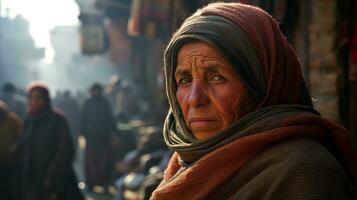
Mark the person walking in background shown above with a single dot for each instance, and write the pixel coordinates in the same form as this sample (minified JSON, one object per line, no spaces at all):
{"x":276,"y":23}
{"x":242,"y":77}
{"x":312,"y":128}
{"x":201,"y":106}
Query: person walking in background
{"x":112,"y":90}
{"x":71,"y":111}
{"x":97,"y":126}
{"x":47,"y":151}
{"x":10,"y":132}
{"x":14,"y":101}
{"x":127,"y":104}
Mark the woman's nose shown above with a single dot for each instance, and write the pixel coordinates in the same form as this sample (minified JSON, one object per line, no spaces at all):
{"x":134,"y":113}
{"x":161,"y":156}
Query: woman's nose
{"x":198,"y":94}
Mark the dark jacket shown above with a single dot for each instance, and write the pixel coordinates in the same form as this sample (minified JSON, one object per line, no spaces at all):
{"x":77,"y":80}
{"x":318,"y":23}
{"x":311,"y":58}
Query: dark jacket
{"x":97,"y":121}
{"x":47,"y":152}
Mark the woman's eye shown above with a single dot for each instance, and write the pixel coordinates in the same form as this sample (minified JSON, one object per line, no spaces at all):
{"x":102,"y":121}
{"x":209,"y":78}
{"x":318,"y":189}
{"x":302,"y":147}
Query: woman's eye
{"x":218,"y":78}
{"x":184,"y":80}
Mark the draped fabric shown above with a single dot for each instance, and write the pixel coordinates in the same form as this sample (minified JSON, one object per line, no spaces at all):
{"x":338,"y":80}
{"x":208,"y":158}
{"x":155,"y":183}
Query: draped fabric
{"x":229,"y":39}
{"x":267,"y":118}
{"x":203,"y":177}
{"x":280,"y":65}
{"x":266,"y":64}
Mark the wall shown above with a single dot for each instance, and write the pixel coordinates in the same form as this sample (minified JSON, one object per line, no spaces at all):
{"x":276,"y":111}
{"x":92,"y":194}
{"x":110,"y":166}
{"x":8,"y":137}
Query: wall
{"x":324,"y":71}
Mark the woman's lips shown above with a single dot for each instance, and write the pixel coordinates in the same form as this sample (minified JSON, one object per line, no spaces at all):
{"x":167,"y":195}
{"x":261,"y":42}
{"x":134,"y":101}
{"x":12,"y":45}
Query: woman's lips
{"x":200,"y":122}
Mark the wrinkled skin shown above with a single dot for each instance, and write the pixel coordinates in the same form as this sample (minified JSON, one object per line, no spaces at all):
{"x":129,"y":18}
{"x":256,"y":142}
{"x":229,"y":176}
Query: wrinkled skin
{"x":209,"y":92}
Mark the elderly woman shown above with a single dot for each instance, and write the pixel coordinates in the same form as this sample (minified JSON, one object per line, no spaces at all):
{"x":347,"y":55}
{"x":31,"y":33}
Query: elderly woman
{"x":241,"y":122}
{"x":48,"y":151}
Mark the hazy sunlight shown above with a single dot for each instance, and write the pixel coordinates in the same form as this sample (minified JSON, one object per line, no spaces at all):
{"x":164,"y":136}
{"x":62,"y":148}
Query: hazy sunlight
{"x":43,"y":15}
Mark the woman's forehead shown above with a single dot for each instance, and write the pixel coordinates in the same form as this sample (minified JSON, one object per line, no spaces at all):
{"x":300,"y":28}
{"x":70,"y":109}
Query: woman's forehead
{"x":197,"y":49}
{"x":200,"y":53}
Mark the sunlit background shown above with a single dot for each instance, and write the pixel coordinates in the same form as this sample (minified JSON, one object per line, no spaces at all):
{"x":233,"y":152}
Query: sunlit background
{"x":43,"y":16}
{"x":54,"y":29}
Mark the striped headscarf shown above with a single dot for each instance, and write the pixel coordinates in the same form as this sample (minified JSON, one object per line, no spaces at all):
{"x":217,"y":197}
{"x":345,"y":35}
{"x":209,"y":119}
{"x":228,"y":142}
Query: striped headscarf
{"x":252,"y":42}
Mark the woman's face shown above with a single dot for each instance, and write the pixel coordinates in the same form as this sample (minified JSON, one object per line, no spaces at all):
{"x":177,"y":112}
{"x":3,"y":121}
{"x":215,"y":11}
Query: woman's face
{"x":36,"y":101}
{"x":209,"y":92}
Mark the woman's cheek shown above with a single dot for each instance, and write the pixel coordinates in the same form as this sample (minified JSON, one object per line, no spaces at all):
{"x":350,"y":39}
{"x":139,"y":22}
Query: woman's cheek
{"x":228,"y":101}
{"x":182,"y":100}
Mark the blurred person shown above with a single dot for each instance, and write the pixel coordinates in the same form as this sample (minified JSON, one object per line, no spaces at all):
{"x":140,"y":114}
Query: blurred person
{"x":112,"y":90}
{"x":10,"y":131}
{"x":14,"y":101}
{"x":121,"y":96}
{"x":97,"y":126}
{"x":241,"y":121}
{"x":58,"y":97}
{"x":80,"y":96}
{"x":127,"y":104}
{"x":47,"y":150}
{"x":71,"y":111}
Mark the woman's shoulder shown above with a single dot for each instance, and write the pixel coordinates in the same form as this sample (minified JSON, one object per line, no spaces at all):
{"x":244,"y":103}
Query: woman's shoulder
{"x":300,"y":152}
{"x":298,"y":168}
{"x":297,"y":154}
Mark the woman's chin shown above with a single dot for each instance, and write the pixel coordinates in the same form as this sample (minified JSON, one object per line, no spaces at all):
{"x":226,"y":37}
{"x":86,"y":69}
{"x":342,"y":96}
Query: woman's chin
{"x":204,"y":134}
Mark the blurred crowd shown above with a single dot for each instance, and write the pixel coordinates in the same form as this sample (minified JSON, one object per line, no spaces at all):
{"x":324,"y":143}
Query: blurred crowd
{"x":41,"y":137}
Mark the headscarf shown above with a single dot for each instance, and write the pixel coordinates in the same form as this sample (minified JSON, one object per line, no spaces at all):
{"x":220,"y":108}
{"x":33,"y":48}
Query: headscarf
{"x":36,"y":117}
{"x":252,"y":42}
{"x":265,"y":63}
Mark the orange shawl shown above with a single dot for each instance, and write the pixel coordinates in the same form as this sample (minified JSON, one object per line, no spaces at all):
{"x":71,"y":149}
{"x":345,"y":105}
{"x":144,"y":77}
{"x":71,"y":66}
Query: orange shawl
{"x":224,"y":162}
